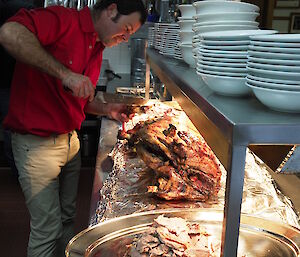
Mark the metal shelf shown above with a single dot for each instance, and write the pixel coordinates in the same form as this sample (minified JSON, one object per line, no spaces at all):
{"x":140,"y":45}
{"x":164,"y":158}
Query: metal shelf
{"x":229,"y":125}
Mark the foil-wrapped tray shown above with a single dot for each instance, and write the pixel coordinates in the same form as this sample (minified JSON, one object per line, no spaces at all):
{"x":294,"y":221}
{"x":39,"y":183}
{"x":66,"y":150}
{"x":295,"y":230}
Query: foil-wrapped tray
{"x":258,"y":237}
{"x":125,"y":190}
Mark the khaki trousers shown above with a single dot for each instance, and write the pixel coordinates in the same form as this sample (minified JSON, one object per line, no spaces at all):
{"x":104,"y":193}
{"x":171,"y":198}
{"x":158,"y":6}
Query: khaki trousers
{"x":48,"y":174}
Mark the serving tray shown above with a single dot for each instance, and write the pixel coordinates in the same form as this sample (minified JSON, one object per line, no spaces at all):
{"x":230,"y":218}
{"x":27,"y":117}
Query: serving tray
{"x":258,"y":237}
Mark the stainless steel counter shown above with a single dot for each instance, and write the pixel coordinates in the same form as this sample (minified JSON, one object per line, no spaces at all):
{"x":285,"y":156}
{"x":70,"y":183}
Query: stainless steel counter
{"x":107,"y":140}
{"x":229,"y":125}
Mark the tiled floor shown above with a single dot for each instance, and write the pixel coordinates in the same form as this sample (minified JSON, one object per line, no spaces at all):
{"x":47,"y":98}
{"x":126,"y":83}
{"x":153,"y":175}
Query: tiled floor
{"x":14,"y":217}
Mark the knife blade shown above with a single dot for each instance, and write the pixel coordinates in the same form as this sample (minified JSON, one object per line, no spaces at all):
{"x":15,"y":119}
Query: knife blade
{"x":105,"y":97}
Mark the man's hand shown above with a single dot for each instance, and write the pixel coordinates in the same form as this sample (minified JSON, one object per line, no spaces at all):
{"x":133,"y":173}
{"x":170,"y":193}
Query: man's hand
{"x":80,"y":85}
{"x":117,"y":112}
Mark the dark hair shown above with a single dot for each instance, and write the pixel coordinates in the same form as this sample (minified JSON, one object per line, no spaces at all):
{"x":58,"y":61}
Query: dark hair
{"x":124,"y":7}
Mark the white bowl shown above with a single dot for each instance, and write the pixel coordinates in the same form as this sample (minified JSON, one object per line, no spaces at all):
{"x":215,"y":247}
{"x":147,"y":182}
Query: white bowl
{"x":201,"y":52}
{"x":203,"y":7}
{"x":186,"y":25}
{"x":186,"y":37}
{"x":224,"y":42}
{"x":274,"y":44}
{"x":246,"y":23}
{"x":277,"y":81}
{"x":272,"y":74}
{"x":187,"y":10}
{"x":225,"y":48}
{"x":223,"y":52}
{"x":285,"y":50}
{"x":222,"y":73}
{"x":275,"y":67}
{"x":267,"y":55}
{"x":222,"y":69}
{"x":258,"y":83}
{"x":185,"y":19}
{"x":239,"y":16}
{"x":292,"y":38}
{"x":234,"y":34}
{"x":223,"y":60}
{"x":274,"y":61}
{"x":187,"y":54}
{"x":277,"y":99}
{"x":223,"y":28}
{"x":222,"y":64}
{"x":229,"y":86}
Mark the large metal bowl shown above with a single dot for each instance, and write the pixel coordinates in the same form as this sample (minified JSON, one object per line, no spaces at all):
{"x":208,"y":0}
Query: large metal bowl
{"x":258,"y":237}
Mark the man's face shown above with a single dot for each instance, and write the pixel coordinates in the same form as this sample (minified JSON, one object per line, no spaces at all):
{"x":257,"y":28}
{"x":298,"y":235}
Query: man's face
{"x":115,"y":31}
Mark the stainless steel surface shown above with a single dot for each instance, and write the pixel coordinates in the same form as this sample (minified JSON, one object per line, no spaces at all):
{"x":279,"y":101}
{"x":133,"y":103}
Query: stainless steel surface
{"x":229,"y":125}
{"x":108,"y":138}
{"x":259,"y":237}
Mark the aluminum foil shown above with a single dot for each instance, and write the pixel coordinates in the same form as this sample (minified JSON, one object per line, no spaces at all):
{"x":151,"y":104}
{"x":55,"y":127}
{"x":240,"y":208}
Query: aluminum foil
{"x":125,"y":190}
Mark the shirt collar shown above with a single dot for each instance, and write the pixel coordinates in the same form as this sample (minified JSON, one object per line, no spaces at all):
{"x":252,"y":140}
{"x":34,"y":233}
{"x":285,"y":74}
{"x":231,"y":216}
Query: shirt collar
{"x":86,"y":21}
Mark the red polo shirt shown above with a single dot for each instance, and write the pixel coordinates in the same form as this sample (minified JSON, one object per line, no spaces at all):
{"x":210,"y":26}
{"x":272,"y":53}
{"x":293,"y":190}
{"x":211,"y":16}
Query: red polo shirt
{"x":38,"y":104}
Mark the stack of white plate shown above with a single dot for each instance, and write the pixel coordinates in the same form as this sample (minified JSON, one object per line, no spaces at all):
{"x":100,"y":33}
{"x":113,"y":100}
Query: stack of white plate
{"x":274,"y":70}
{"x":166,"y":39}
{"x":151,"y":35}
{"x":228,"y":15}
{"x":186,"y":33}
{"x":222,"y":60}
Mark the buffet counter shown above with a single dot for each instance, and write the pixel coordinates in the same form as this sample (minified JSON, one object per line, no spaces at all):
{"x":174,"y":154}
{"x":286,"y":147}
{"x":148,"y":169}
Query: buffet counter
{"x":228,"y":124}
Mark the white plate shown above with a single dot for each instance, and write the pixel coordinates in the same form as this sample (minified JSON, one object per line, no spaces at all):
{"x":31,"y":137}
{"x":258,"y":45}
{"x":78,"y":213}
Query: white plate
{"x":228,"y":56}
{"x":225,"y":48}
{"x":273,"y":85}
{"x":277,"y":81}
{"x":274,"y":74}
{"x":274,"y":44}
{"x":221,"y":69}
{"x":278,"y":38}
{"x":187,"y":10}
{"x":225,"y":42}
{"x":203,"y":7}
{"x":286,"y":50}
{"x":234,"y":35}
{"x":185,"y":18}
{"x":225,"y":60}
{"x":267,"y":55}
{"x":223,"y":73}
{"x":186,"y":25}
{"x":223,"y":64}
{"x":239,"y":16}
{"x":225,"y":52}
{"x":274,"y":61}
{"x":167,"y":25}
{"x":279,"y":100}
{"x":222,"y":28}
{"x":275,"y":67}
{"x":227,"y":22}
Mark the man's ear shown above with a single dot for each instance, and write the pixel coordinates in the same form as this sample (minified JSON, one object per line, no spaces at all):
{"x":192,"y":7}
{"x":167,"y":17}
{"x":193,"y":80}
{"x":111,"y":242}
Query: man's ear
{"x":112,"y":11}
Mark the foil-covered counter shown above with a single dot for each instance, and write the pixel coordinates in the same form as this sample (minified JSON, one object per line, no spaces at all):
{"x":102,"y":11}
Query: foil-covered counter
{"x":124,"y":191}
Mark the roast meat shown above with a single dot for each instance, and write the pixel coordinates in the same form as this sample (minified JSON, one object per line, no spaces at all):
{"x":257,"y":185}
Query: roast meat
{"x":186,"y":167}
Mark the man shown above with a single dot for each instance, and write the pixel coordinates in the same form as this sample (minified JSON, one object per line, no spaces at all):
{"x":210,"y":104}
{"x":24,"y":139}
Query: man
{"x":8,"y":8}
{"x":59,"y":53}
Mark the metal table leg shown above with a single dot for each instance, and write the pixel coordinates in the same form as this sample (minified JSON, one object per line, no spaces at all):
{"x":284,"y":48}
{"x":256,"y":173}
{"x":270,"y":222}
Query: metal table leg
{"x":233,"y":201}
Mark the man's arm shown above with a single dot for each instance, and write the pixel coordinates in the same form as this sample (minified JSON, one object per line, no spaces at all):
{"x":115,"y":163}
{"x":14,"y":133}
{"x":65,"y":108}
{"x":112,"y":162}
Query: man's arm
{"x":24,"y":46}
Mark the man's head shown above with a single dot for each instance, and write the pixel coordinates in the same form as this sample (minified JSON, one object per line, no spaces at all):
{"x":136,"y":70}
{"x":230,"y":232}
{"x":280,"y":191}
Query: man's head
{"x":116,"y":20}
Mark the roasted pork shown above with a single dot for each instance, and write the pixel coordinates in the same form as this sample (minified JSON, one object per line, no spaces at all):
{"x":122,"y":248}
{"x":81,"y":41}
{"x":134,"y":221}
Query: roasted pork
{"x":186,"y":167}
